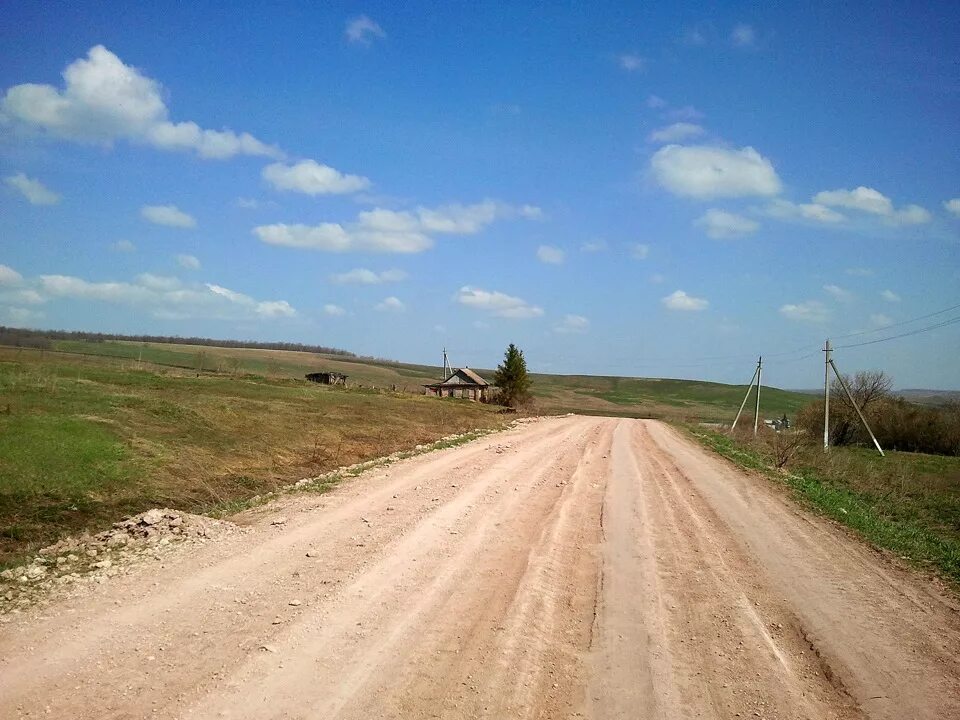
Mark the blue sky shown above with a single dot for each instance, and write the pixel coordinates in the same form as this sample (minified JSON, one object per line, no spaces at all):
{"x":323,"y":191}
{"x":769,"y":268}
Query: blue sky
{"x":656,"y":191}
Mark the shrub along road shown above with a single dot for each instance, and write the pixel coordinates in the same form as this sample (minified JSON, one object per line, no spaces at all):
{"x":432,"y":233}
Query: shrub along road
{"x":594,"y":566}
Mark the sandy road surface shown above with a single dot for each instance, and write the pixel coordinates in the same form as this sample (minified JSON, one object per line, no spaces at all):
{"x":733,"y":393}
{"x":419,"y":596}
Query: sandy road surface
{"x":574,"y":567}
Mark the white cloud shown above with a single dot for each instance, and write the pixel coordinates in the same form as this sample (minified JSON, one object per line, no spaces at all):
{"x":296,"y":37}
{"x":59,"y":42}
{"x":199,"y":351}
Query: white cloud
{"x":911,"y":215}
{"x":333,"y":310}
{"x":679,"y":300}
{"x":550,"y":255}
{"x":880,"y":320}
{"x":815,"y":212}
{"x":9,"y":276}
{"x":743,"y":36}
{"x":687,"y":112}
{"x":19,"y":315}
{"x":124,"y":246}
{"x":33,"y":190}
{"x":809,"y":311}
{"x":594,"y":246}
{"x":890,"y":296}
{"x":497,"y":303}
{"x":952,"y":206}
{"x":23,"y":296}
{"x":861,"y":198}
{"x":705,"y":172}
{"x":859,"y":271}
{"x":631,"y":62}
{"x":657,"y":279}
{"x":169,"y":215}
{"x":392,"y":231}
{"x":720,"y":224}
{"x":158,"y":282}
{"x":572,"y":324}
{"x":166,"y":297}
{"x":390,"y":304}
{"x":188,"y":261}
{"x":103,"y":100}
{"x":639,"y":251}
{"x":838,"y":292}
{"x":362,"y":30}
{"x":247,"y":203}
{"x":312,"y":178}
{"x":868,"y":200}
{"x":676,"y":132}
{"x":362,"y":276}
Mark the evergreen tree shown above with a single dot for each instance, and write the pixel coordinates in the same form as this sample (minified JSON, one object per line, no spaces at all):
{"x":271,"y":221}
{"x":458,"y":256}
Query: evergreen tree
{"x":512,"y":378}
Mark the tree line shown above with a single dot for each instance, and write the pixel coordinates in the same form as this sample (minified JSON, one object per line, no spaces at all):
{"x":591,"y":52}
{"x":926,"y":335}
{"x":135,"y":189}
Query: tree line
{"x":22,"y":337}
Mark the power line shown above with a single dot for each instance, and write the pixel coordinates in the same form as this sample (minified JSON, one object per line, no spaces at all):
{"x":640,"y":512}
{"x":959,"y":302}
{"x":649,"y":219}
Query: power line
{"x":951,"y":321}
{"x":896,"y":324}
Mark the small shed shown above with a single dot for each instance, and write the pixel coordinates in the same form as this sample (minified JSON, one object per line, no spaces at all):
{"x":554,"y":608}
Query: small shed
{"x":462,"y":383}
{"x":327,"y":378}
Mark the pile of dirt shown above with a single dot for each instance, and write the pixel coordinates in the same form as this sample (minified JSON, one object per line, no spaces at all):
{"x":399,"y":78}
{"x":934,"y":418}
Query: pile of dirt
{"x":93,"y":558}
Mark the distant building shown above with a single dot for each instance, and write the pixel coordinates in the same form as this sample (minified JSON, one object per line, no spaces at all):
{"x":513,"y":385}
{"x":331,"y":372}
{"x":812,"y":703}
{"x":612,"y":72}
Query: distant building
{"x":462,"y":383}
{"x":327,"y":378}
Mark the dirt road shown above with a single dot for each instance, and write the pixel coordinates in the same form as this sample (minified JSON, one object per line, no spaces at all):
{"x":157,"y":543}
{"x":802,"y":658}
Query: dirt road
{"x":573,"y":567}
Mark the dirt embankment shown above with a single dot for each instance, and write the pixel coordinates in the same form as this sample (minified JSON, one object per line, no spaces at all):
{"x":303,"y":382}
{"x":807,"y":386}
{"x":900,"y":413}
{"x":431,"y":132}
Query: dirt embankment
{"x":572,"y":567}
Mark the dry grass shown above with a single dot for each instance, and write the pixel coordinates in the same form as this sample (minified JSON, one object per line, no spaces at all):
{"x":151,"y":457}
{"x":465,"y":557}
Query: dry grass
{"x":84,"y":440}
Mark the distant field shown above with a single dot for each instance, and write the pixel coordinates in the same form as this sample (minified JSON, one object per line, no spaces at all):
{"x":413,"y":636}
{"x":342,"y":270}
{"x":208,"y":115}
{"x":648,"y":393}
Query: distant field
{"x":86,"y":438}
{"x":636,"y":397}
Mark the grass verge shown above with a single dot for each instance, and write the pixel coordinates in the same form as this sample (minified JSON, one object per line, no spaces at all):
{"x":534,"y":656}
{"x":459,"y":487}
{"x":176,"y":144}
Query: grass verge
{"x":907,"y":503}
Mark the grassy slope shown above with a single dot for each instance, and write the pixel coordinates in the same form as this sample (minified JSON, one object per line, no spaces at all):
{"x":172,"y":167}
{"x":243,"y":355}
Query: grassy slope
{"x":908,"y":503}
{"x":84,"y":440}
{"x":639,"y":397}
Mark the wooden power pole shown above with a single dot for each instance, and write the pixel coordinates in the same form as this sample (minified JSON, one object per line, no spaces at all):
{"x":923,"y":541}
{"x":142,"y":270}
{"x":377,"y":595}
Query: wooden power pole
{"x":826,"y":397}
{"x":745,"y":397}
{"x":756,"y":415}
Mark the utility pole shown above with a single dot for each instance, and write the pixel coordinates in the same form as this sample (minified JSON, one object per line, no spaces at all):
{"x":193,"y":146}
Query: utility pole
{"x":447,"y":372}
{"x":826,"y":397}
{"x":756,"y":416}
{"x":856,"y":407}
{"x":744,"y":403}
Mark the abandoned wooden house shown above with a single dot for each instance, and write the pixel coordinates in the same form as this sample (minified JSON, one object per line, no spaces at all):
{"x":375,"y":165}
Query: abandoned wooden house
{"x":327,"y":378}
{"x":462,"y":383}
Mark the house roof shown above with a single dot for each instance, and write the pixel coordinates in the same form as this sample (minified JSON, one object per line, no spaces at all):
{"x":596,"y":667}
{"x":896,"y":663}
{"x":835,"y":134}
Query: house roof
{"x":462,"y":376}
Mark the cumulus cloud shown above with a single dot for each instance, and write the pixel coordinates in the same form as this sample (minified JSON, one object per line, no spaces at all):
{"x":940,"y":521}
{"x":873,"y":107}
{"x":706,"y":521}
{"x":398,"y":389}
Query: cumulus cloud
{"x":679,"y":300}
{"x":103,"y":100}
{"x":813,"y":212}
{"x":188,"y":261}
{"x":20,"y":315}
{"x":550,"y":255}
{"x":639,"y":251}
{"x":312,"y":178}
{"x":676,"y":132}
{"x":124,"y":246}
{"x":33,"y":190}
{"x":631,"y":62}
{"x":704,"y":172}
{"x":497,"y":303}
{"x":363,"y":30}
{"x":165,"y":297}
{"x":392,"y":231}
{"x":838,"y":292}
{"x":874,"y":202}
{"x":952,"y":206}
{"x":743,"y":36}
{"x":572,"y":324}
{"x":720,"y":224}
{"x":9,"y":276}
{"x":362,"y":276}
{"x":890,"y":296}
{"x":811,"y":311}
{"x":333,"y":310}
{"x":390,"y":304}
{"x":169,"y":215}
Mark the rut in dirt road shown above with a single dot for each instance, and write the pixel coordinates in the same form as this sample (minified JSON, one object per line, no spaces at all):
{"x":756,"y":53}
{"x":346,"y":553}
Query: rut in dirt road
{"x":573,"y":567}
